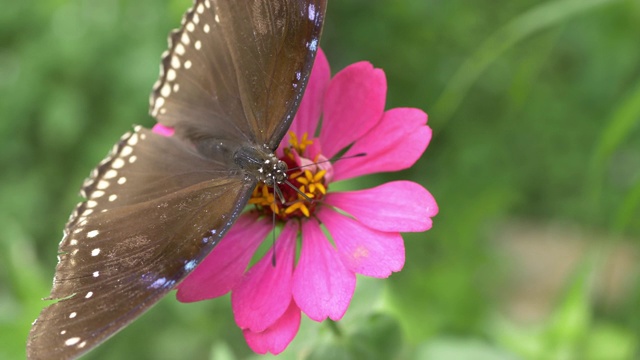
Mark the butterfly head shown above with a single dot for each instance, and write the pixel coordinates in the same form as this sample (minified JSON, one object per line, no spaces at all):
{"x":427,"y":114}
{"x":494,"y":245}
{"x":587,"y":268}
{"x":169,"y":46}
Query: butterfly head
{"x":262,"y":165}
{"x":273,"y":172}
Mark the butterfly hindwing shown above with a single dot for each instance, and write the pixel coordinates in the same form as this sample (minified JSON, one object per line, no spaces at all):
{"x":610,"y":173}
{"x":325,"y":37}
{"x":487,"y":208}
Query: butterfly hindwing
{"x":152,"y":222}
{"x":249,"y":93}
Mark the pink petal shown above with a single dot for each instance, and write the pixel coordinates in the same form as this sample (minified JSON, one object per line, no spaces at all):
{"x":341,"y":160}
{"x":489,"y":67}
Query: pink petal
{"x":308,"y":115}
{"x":319,"y":163}
{"x":394,"y":206}
{"x":265,"y":291}
{"x":223,"y":268}
{"x":163,"y":130}
{"x":353,"y":104}
{"x":364,"y":250}
{"x":322,"y":285}
{"x":396,"y":143}
{"x":278,"y":336}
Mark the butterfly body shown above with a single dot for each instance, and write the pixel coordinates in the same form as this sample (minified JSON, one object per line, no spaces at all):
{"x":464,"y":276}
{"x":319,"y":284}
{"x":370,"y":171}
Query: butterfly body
{"x":257,"y":162}
{"x":229,"y":87}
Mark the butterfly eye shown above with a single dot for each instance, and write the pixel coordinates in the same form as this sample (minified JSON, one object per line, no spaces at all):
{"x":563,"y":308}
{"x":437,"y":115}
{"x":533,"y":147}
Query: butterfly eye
{"x":281,"y":172}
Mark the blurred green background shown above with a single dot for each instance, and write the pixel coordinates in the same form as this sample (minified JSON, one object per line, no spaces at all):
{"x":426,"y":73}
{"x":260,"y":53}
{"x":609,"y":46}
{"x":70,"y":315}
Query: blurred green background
{"x":535,"y":164}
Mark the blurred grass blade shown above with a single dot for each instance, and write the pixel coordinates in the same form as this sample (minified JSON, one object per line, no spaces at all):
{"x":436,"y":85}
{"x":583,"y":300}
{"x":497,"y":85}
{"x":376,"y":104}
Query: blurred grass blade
{"x":571,"y":321}
{"x":624,"y":118}
{"x":537,"y":19}
{"x":626,"y":212}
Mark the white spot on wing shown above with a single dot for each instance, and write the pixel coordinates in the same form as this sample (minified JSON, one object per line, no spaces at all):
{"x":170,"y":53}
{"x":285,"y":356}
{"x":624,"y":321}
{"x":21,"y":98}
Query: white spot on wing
{"x":95,"y":252}
{"x":166,"y":91}
{"x":119,"y":163}
{"x":72,"y":341}
{"x":93,"y":233}
{"x":102,"y":184}
{"x":134,"y":138}
{"x":190,"y":265}
{"x":312,"y":12}
{"x":185,"y":39}
{"x":126,"y":151}
{"x":171,"y":75}
{"x":110,"y":174}
{"x":175,"y":62}
{"x":180,"y":49}
{"x":158,"y":283}
{"x":313,"y":45}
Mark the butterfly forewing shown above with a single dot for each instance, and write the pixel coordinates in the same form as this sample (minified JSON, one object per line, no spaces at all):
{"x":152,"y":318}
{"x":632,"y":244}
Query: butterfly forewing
{"x":249,"y":92}
{"x":156,"y":206}
{"x":152,"y":221}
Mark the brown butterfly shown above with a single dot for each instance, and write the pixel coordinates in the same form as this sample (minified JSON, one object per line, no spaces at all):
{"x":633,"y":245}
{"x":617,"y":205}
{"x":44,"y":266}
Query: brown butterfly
{"x":230,"y":84}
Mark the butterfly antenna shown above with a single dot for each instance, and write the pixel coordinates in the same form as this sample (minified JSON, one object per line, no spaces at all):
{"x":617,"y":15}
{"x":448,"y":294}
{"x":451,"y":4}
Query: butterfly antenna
{"x":278,"y":192}
{"x":288,"y":183}
{"x":332,"y":160}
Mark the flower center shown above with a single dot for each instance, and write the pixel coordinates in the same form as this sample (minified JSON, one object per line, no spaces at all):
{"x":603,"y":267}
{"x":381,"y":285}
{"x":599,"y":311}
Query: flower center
{"x":309,"y":180}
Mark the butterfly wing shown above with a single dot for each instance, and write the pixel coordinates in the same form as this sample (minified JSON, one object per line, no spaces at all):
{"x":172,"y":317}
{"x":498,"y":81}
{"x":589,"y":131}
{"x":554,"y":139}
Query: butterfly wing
{"x":150,"y":218}
{"x":246,"y":93}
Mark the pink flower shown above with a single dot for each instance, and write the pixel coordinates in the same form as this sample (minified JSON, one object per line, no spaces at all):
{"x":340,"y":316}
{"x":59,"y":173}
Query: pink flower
{"x":267,"y":300}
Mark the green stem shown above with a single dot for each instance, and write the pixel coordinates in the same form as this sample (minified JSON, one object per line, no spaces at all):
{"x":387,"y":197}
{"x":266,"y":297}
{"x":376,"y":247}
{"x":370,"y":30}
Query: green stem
{"x":335,"y":328}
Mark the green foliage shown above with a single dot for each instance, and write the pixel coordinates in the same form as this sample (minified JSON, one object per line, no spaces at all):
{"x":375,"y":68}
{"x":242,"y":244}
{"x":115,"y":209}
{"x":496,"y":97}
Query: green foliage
{"x":535,"y":108}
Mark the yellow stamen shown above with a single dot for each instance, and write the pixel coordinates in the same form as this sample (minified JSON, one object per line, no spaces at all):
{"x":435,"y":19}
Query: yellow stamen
{"x":300,"y":145}
{"x":298,"y":206}
{"x":274,"y":207}
{"x":319,"y":175}
{"x":293,"y":139}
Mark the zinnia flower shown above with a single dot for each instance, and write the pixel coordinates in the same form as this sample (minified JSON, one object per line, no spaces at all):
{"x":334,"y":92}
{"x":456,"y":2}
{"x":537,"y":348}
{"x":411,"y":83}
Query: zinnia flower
{"x":364,"y":225}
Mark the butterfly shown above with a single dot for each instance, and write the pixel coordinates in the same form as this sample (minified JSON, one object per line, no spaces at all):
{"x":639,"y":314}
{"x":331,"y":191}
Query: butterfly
{"x":230,"y":84}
